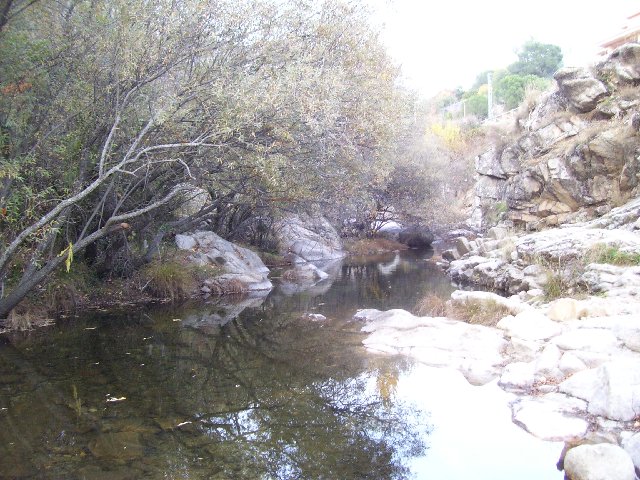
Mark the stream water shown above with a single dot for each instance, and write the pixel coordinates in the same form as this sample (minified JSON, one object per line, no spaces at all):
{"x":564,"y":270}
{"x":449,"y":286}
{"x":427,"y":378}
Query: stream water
{"x":253,"y":389}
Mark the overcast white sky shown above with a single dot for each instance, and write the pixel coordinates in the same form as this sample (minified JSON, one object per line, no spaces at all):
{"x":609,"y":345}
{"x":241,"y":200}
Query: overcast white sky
{"x":445,"y":43}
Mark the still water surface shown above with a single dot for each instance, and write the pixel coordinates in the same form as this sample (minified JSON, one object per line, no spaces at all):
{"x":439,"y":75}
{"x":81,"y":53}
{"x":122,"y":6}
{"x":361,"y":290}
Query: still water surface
{"x":254,"y":390}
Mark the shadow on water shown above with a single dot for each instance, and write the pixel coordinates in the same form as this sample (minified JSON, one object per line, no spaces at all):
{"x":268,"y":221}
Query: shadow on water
{"x":223,"y":390}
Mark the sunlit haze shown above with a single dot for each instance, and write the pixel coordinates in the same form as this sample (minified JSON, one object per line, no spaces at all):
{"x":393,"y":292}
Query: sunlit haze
{"x":443,"y":45}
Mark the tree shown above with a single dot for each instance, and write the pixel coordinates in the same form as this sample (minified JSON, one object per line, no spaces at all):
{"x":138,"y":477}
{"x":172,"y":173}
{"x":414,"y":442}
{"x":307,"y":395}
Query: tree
{"x":477,"y":104}
{"x":535,"y":58}
{"x":111,"y":112}
{"x":510,"y":90}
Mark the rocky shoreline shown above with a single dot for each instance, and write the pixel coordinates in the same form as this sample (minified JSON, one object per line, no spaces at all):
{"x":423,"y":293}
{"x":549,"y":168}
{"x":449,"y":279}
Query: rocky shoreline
{"x":573,"y":362}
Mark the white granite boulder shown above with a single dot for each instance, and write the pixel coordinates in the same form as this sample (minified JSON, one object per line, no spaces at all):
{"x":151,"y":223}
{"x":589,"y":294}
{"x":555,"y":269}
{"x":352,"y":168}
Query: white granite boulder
{"x":602,"y":461}
{"x":244,"y":270}
{"x":474,"y":350}
{"x":311,"y":238}
{"x":611,"y":390}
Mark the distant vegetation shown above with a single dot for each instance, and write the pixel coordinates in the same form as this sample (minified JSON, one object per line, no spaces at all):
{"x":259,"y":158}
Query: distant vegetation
{"x":532,"y":71}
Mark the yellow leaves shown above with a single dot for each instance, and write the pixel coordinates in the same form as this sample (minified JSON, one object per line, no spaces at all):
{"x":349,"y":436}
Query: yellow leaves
{"x":449,"y":133}
{"x":69,"y":253}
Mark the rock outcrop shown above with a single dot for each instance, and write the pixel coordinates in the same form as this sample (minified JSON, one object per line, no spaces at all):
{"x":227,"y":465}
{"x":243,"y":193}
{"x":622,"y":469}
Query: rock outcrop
{"x":304,"y":238}
{"x":513,"y":263}
{"x":576,"y":156}
{"x":244,"y":270}
{"x":312,"y":245}
{"x":416,"y":236}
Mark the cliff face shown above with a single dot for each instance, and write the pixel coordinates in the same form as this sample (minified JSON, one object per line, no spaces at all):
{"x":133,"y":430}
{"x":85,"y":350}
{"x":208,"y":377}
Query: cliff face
{"x":575,"y":156}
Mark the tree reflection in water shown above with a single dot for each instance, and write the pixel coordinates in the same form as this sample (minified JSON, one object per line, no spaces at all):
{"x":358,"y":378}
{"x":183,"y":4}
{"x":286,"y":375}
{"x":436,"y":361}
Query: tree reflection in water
{"x":265,"y":396}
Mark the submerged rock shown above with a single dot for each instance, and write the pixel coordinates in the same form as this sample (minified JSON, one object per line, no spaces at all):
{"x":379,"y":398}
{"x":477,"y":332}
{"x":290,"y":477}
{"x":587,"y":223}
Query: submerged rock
{"x":474,"y":350}
{"x":552,"y":417}
{"x":117,"y":446}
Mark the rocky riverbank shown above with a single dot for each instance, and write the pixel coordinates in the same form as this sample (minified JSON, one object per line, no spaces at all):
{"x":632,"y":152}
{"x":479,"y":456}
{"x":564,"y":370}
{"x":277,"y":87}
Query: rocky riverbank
{"x":574,"y":365}
{"x":567,"y":343}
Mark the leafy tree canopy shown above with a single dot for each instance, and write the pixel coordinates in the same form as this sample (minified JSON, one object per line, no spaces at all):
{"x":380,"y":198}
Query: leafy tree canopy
{"x":535,"y":58}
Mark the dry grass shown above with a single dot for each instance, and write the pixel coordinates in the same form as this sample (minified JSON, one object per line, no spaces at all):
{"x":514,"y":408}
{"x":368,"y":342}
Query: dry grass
{"x":431,"y":306}
{"x":371,"y":246}
{"x":227,"y":287}
{"x":486,"y":312}
{"x":170,"y":279}
{"x":271,"y":259}
{"x":26,"y":317}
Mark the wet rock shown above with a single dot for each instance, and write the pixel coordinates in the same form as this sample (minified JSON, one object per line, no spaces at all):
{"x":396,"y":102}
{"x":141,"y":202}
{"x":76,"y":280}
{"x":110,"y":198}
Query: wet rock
{"x":416,"y":236}
{"x":598,"y":462}
{"x":474,"y":350}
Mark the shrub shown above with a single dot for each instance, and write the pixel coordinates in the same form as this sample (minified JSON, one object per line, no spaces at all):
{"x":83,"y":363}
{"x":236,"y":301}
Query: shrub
{"x":561,"y":276}
{"x":169,"y":279}
{"x":65,"y":290}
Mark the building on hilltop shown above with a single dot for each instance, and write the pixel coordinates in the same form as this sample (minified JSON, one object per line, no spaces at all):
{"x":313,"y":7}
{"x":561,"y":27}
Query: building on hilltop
{"x":630,"y":32}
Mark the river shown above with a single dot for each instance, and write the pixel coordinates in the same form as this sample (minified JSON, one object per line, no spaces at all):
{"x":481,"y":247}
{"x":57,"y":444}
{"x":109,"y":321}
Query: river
{"x":254,"y":389}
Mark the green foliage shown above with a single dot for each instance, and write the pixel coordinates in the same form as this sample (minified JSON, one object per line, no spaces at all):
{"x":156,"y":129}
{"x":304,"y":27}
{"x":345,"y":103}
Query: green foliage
{"x":477,"y":104}
{"x":511,"y":89}
{"x":562,"y":276}
{"x":264,"y":103}
{"x":539,"y":59}
{"x":612,"y":255}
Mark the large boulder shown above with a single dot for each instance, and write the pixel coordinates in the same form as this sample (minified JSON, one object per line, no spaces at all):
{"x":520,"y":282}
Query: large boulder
{"x":312,"y":239}
{"x":624,"y":63}
{"x":244,"y":269}
{"x":598,"y":462}
{"x":612,"y":390}
{"x":474,"y":350}
{"x":416,"y":236}
{"x":580,"y":88}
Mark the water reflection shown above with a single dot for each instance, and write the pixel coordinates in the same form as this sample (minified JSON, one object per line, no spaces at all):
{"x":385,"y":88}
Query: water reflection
{"x":224,"y":390}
